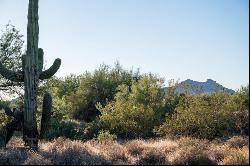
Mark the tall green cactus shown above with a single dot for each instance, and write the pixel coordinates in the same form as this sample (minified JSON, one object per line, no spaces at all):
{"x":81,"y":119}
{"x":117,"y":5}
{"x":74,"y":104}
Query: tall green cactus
{"x":32,"y":65}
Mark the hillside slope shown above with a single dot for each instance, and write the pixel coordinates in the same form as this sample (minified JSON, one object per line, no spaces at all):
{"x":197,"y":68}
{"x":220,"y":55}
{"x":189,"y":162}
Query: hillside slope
{"x":192,"y":87}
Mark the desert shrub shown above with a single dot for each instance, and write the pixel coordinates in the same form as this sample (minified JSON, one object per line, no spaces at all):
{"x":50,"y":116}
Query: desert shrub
{"x":239,"y":106}
{"x":172,"y":98}
{"x":61,"y":90}
{"x":241,"y":99}
{"x":92,"y":128}
{"x":3,"y":117}
{"x":105,"y":135}
{"x":209,"y":116}
{"x":61,"y":124}
{"x":202,"y":116}
{"x":135,"y":109}
{"x":240,"y":122}
{"x":98,"y":87}
{"x":68,"y":129}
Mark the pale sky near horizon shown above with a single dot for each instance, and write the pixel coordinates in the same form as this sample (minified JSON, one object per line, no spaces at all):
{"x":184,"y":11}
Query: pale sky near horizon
{"x":176,"y":39}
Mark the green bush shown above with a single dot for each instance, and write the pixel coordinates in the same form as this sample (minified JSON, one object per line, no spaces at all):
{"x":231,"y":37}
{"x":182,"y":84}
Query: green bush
{"x":105,"y":135}
{"x":209,"y":116}
{"x":172,"y":99}
{"x":203,"y":116}
{"x":240,"y":110}
{"x":3,"y":117}
{"x":131,"y":105}
{"x":240,"y":99}
{"x":68,"y":129}
{"x":135,"y":109}
{"x":61,"y":90}
{"x":98,"y":87}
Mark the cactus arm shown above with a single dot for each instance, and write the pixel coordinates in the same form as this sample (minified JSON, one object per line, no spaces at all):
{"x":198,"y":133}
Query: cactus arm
{"x":51,"y":71}
{"x":11,"y":75}
{"x":40,"y":59}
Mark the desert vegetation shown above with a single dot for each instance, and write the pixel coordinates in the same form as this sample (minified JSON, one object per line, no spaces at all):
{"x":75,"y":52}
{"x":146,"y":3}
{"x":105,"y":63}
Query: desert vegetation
{"x":119,"y":116}
{"x":114,"y":116}
{"x":161,"y":151}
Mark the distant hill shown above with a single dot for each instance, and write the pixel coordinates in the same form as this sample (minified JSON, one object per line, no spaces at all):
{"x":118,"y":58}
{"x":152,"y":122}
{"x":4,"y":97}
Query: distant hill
{"x":191,"y":87}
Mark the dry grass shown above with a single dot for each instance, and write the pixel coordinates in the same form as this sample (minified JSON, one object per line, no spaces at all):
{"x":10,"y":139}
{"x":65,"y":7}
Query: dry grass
{"x":236,"y":156}
{"x":237,"y":142}
{"x":182,"y":151}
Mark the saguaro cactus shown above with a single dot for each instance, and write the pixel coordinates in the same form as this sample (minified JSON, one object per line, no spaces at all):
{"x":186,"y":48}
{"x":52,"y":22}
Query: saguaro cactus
{"x":32,"y":65}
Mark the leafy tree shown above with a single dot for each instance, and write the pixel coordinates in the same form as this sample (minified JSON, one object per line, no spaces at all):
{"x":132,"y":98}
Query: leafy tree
{"x":11,"y":44}
{"x":99,"y":87}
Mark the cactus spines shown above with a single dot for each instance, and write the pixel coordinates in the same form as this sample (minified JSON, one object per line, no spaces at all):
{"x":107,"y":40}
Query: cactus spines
{"x":32,"y":65}
{"x":46,"y":113}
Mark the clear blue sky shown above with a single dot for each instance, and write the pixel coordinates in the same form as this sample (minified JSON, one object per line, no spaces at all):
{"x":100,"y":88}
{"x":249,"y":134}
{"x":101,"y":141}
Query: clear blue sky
{"x":176,"y":39}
